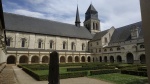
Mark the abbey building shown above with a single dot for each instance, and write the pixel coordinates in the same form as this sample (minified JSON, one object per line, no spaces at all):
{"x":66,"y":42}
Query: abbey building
{"x":31,"y":40}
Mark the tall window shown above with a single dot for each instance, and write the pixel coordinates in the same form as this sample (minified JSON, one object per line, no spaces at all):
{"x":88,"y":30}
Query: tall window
{"x":93,"y":26}
{"x":105,"y":50}
{"x":23,"y":42}
{"x":40,"y":43}
{"x":99,"y":50}
{"x":72,"y":46}
{"x":8,"y":41}
{"x":105,"y":40}
{"x":96,"y":26}
{"x":51,"y":44}
{"x":64,"y":45}
{"x":83,"y":46}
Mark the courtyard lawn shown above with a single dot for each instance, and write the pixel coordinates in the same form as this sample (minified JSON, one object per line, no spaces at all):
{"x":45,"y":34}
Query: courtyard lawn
{"x":121,"y":78}
{"x":45,"y":72}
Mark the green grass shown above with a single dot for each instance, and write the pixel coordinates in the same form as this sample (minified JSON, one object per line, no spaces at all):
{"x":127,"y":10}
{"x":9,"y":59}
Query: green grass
{"x":45,"y":72}
{"x":121,"y":78}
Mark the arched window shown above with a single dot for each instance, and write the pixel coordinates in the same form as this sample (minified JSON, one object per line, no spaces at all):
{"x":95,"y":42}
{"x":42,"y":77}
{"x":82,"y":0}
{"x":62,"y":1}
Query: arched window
{"x":51,"y":44}
{"x":83,"y":46}
{"x":111,"y":49}
{"x":118,"y":49}
{"x":105,"y":40}
{"x":23,"y":42}
{"x":64,"y":45}
{"x":72,"y":46}
{"x":40,"y":43}
{"x":142,"y":46}
{"x":105,"y":50}
{"x":96,"y":26}
{"x":93,"y":26}
{"x":8,"y":40}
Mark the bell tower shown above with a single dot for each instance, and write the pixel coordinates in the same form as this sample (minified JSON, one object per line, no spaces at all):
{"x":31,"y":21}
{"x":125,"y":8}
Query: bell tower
{"x":92,"y":23}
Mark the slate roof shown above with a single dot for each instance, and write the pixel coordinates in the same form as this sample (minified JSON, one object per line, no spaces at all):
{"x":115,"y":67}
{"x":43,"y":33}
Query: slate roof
{"x":91,"y":8}
{"x":99,"y":35}
{"x":20,"y":23}
{"x":124,"y":33}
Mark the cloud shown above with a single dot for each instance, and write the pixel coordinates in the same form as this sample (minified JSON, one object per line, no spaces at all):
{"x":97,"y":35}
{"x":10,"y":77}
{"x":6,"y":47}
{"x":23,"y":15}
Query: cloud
{"x":115,"y":13}
{"x":28,"y":13}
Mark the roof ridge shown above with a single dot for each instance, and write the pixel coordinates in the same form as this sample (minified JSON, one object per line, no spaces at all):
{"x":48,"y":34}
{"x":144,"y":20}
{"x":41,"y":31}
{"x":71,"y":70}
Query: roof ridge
{"x":129,"y":25}
{"x":40,"y":19}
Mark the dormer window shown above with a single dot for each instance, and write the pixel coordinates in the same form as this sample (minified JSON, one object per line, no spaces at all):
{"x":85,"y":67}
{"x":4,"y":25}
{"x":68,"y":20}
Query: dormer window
{"x":83,"y":46}
{"x":118,"y":49}
{"x":111,"y":49}
{"x":40,"y":43}
{"x":105,"y":50}
{"x":9,"y":40}
{"x":51,"y":44}
{"x":23,"y":42}
{"x":105,"y":40}
{"x":64,"y":45}
{"x":142,"y":46}
{"x":134,"y":32}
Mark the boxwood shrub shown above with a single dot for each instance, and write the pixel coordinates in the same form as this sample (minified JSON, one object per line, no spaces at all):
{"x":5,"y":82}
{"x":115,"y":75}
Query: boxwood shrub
{"x":132,"y":72}
{"x":104,"y":71}
{"x":90,"y":68}
{"x":62,"y":76}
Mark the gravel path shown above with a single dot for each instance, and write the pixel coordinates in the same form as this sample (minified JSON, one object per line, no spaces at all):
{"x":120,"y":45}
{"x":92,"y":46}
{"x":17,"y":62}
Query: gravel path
{"x":24,"y":78}
{"x":7,"y":76}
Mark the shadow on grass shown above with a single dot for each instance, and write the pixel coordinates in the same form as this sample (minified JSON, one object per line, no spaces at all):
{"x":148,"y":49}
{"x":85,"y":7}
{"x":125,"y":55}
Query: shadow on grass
{"x":142,"y":81}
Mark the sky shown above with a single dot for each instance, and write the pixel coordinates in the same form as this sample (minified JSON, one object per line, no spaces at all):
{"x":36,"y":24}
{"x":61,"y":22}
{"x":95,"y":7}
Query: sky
{"x":115,"y":13}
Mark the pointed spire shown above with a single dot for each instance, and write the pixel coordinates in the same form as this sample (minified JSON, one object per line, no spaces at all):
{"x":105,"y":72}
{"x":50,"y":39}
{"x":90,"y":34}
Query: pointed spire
{"x":91,"y":8}
{"x":77,"y":22}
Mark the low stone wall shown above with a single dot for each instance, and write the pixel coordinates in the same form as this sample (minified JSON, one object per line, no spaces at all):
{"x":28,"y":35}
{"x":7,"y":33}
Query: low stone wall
{"x":2,"y":66}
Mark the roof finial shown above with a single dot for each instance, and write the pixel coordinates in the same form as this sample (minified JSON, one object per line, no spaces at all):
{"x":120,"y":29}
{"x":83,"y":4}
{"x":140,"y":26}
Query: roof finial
{"x":77,"y":21}
{"x":91,"y":1}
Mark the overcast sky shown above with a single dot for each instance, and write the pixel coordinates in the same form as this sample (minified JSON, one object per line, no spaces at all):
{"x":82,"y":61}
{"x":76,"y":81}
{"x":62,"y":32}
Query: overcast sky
{"x":115,"y":13}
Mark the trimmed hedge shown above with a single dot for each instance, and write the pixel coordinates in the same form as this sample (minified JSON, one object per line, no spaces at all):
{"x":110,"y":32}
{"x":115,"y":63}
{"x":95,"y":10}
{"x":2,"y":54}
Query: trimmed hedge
{"x":62,"y":76}
{"x":104,"y":71}
{"x":142,"y":68}
{"x":132,"y":72}
{"x":90,"y":68}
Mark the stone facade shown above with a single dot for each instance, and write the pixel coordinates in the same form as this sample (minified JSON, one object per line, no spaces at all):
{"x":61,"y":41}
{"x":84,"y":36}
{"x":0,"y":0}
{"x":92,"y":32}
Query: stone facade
{"x":113,"y":45}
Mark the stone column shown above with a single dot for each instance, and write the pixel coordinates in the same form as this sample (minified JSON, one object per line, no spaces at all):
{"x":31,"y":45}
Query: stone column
{"x":145,"y":11}
{"x":17,"y":61}
{"x":40,"y":61}
{"x":29,"y":62}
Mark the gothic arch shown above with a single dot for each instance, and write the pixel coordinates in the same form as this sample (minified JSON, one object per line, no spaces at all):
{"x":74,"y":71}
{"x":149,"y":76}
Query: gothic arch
{"x":70,"y":59}
{"x":100,"y":59}
{"x":45,"y":59}
{"x":105,"y":59}
{"x":23,"y":59}
{"x":76,"y":59}
{"x":83,"y":59}
{"x":143,"y":59}
{"x":89,"y":59}
{"x":62,"y":59}
{"x":11,"y":59}
{"x":111,"y":59}
{"x":35,"y":59}
{"x":130,"y":58}
{"x":119,"y":59}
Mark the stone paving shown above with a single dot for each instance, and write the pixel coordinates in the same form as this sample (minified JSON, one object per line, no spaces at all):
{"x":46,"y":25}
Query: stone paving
{"x":15,"y":75}
{"x":7,"y":76}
